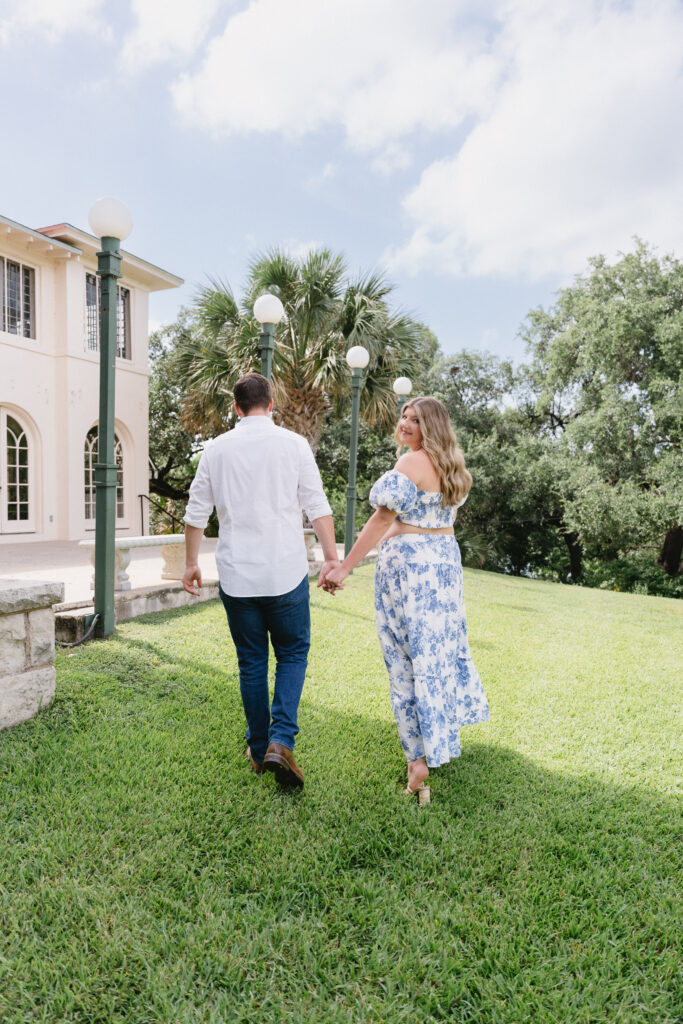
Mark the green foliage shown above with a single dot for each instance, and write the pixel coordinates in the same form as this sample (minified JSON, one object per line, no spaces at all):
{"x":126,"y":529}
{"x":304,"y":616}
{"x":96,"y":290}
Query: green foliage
{"x":376,"y":454}
{"x":474,"y":387}
{"x":513,"y":504}
{"x":634,"y":571}
{"x":510,"y":521}
{"x":608,"y":372}
{"x":326,"y":314}
{"x":171,"y":448}
{"x":577,"y":458}
{"x":148,"y":876}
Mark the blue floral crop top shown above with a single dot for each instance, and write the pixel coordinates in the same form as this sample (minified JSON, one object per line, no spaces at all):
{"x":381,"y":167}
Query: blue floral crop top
{"x":414,"y":507}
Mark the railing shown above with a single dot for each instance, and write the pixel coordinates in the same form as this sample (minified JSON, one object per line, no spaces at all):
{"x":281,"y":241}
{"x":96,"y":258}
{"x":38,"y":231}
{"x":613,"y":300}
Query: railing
{"x":151,"y":501}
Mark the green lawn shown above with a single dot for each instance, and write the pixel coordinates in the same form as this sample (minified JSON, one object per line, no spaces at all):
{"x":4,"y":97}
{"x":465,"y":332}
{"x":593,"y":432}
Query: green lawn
{"x":146,"y":875}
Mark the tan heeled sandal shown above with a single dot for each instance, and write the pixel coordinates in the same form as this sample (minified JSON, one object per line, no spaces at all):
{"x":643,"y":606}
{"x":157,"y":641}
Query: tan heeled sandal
{"x":424,"y":795}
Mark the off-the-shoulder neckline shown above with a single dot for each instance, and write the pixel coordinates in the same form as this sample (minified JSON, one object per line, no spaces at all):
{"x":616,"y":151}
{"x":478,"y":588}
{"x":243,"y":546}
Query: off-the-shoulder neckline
{"x":418,"y":489}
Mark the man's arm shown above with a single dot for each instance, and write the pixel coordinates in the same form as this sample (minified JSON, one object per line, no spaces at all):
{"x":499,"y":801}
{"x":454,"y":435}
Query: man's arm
{"x":192,"y":577}
{"x":312,"y":499}
{"x":196,"y":517}
{"x":324,"y":531}
{"x":369,"y":537}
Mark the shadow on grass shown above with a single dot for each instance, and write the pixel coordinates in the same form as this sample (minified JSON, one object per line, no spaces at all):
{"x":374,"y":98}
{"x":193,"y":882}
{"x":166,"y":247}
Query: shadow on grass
{"x":338,"y":609}
{"x":144,"y":866}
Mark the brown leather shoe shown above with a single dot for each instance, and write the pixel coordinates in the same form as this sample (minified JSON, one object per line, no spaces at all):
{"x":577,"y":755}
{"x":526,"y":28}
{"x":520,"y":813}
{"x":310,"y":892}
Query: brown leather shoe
{"x":257,"y":766}
{"x":280,"y":761}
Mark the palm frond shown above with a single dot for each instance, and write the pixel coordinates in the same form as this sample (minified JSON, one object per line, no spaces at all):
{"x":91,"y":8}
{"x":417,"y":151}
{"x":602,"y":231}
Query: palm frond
{"x":215,"y":306}
{"x":325,"y":314}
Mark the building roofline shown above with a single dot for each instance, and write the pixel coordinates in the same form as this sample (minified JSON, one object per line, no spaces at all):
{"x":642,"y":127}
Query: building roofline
{"x":162,"y":278}
{"x":33,"y":233}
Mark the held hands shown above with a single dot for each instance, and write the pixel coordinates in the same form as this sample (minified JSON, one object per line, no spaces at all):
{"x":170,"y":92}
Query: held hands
{"x":332,"y":579}
{"x":192,"y":580}
{"x":328,"y":565}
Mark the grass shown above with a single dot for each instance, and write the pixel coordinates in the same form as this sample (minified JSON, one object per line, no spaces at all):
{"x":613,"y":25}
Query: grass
{"x":147,"y":876}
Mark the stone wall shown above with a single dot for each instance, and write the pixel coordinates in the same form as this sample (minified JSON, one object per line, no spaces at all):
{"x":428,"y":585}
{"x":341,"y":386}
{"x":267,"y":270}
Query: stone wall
{"x":71,"y":619}
{"x":27,"y":648}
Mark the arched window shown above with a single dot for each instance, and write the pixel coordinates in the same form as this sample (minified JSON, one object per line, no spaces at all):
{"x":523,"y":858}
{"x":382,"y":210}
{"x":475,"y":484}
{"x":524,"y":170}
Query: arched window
{"x":89,"y":460}
{"x":16,"y":476}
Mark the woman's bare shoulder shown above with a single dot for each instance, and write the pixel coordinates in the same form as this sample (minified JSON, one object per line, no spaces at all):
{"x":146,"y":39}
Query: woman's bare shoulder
{"x":417,"y":466}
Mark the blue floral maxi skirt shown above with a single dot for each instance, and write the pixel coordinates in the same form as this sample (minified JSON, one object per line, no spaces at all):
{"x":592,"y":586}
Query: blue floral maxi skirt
{"x":420,"y":613}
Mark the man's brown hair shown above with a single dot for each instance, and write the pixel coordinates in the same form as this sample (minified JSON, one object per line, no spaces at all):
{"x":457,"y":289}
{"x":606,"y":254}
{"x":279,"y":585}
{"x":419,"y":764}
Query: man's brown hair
{"x":252,"y":391}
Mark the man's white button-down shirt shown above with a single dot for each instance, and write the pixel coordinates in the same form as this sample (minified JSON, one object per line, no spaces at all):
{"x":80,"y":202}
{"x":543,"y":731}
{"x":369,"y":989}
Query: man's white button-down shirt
{"x":259,"y":477}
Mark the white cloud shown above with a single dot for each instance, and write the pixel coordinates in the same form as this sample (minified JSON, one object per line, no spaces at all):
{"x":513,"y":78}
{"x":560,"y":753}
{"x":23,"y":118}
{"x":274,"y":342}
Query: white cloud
{"x":568,"y":115}
{"x":393,"y":157}
{"x":559,"y":123}
{"x":51,"y":18}
{"x":582,"y":148}
{"x":316,"y":180}
{"x":378,"y":68}
{"x":167,"y":29}
{"x":299,"y":250}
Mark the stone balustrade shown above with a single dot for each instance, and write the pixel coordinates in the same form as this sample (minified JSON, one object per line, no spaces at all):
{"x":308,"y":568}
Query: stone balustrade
{"x":27,"y":648}
{"x":311,"y":541}
{"x":172,"y":550}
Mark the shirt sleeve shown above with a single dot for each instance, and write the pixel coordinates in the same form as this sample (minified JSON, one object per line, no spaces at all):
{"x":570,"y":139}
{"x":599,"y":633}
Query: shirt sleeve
{"x":310,"y":491}
{"x":201,"y":503}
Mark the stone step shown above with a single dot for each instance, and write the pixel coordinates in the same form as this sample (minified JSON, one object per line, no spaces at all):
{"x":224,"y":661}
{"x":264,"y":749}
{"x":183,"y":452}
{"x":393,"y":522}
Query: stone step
{"x":70,"y":619}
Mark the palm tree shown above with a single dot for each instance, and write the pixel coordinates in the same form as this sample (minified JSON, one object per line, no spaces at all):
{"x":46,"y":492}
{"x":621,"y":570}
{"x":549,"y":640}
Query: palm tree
{"x":325,"y":314}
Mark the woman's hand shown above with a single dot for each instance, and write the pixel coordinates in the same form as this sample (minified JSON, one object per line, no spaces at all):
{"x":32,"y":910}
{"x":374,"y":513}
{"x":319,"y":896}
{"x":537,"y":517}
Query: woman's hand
{"x":334,"y":580}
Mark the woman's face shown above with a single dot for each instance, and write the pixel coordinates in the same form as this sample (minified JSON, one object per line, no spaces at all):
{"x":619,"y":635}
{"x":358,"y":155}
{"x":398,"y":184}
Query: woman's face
{"x":409,"y":427}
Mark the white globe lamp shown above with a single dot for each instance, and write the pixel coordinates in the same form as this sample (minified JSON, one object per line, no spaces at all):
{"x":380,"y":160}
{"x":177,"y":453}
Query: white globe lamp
{"x":358,"y":357}
{"x":268,"y":309}
{"x":110,"y":218}
{"x":403,"y":386}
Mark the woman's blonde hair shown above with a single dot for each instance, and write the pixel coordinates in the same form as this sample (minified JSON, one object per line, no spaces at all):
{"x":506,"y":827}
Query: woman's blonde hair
{"x":441,"y":445}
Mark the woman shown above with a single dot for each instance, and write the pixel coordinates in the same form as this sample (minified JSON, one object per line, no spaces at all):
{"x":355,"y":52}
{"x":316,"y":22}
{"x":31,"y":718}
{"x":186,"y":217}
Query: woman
{"x":419,"y":607}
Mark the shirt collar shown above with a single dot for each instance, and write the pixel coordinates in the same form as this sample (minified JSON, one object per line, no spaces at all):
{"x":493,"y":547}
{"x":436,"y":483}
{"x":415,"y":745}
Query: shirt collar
{"x":253,"y":422}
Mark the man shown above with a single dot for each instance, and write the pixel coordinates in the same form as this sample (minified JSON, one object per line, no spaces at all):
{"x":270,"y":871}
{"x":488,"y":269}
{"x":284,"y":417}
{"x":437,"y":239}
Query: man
{"x":259,"y":477}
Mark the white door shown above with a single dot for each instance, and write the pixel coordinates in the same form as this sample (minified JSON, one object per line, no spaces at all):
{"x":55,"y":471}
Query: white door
{"x":16,"y":477}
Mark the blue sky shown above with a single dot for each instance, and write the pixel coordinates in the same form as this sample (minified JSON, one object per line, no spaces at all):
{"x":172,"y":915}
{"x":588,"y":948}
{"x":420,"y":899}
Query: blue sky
{"x":478,"y":152}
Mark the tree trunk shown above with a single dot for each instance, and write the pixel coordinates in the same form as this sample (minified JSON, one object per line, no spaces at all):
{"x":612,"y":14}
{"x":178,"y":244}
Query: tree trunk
{"x":165,"y":490}
{"x":303,"y":411}
{"x":670,"y":555}
{"x":575,"y":553}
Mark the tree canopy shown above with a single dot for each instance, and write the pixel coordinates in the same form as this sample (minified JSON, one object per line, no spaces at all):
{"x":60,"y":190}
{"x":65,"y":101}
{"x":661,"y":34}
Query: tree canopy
{"x":325,"y":314}
{"x":607,"y":369}
{"x":576,"y":455}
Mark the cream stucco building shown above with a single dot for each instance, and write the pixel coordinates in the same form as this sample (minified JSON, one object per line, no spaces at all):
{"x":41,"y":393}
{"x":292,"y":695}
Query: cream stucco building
{"x":49,"y":384}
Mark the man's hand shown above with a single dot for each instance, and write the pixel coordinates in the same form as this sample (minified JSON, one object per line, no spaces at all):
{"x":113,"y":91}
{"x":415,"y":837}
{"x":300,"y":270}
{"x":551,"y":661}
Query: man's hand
{"x":192,"y":580}
{"x":334,"y":579}
{"x":328,"y":566}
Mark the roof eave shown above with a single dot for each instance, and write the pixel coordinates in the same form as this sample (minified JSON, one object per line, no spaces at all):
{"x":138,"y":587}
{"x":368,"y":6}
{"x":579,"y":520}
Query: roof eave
{"x":154,"y":277}
{"x":32,"y":235}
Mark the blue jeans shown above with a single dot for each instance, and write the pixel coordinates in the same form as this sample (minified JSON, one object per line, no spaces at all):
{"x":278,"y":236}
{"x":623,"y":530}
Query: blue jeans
{"x":286,"y":619}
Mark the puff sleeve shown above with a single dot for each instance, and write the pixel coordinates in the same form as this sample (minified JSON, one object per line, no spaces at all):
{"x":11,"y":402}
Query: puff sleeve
{"x":394,"y":491}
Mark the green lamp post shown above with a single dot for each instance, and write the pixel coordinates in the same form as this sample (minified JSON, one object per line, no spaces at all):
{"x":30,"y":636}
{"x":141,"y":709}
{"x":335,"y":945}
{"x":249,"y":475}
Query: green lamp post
{"x":269,"y":311}
{"x":110,"y":220}
{"x":402,"y":388}
{"x":357,"y":358}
